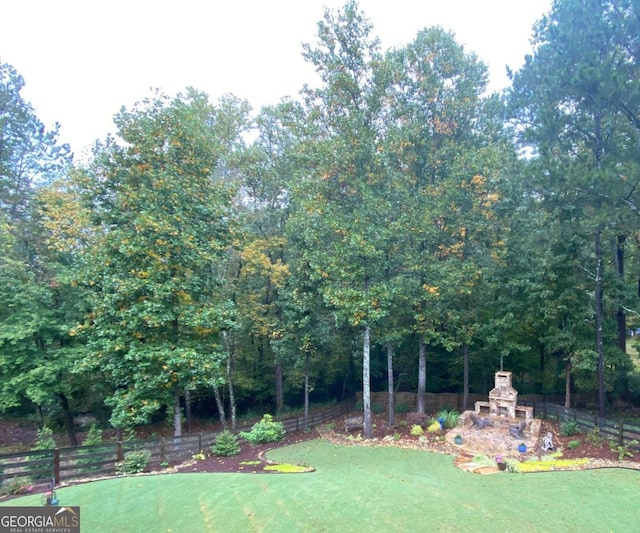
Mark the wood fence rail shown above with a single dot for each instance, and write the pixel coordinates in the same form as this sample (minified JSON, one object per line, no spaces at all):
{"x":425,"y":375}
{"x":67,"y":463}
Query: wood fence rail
{"x":622,"y":432}
{"x":77,"y":462}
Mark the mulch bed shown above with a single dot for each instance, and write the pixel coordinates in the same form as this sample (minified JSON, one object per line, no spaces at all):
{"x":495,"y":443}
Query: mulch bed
{"x":251,"y":459}
{"x":600,"y":455}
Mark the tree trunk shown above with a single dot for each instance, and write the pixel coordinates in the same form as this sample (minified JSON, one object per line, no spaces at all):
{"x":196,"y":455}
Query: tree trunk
{"x":567,"y":384}
{"x":187,"y":408}
{"x":366,"y":384}
{"x":306,"y":389}
{"x":599,"y":318}
{"x":620,"y":314}
{"x":232,"y":397}
{"x":422,"y":373}
{"x":279,"y":388}
{"x":465,"y":377}
{"x":391,"y":393}
{"x":220,"y":406}
{"x":68,"y":419}
{"x":177,"y":414}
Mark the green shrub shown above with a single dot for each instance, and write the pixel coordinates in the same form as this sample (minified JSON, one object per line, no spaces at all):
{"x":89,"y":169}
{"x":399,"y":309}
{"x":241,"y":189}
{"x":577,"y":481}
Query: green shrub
{"x":267,"y":430}
{"x":402,"y":408}
{"x":594,"y":437}
{"x":622,"y":450}
{"x":450,"y":417}
{"x":134,"y":462}
{"x":572,"y":445}
{"x":94,"y":436}
{"x":569,"y":428}
{"x":226,"y":444}
{"x":416,"y":430}
{"x":16,"y":485}
{"x":45,"y":440}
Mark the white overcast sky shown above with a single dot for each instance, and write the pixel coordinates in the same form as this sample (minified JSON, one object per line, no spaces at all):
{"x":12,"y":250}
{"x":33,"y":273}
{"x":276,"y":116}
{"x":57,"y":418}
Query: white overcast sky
{"x":84,"y":59}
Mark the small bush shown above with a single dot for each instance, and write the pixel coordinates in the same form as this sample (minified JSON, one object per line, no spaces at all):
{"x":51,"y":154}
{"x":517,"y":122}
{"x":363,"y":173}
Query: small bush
{"x":572,"y":445}
{"x":450,"y":417}
{"x":417,"y":418}
{"x":267,"y":430}
{"x":402,"y":408}
{"x":594,"y":437}
{"x":134,"y":462}
{"x":16,"y":485}
{"x":434,"y":427}
{"x":45,"y":440}
{"x":416,"y":430}
{"x":226,"y":445}
{"x":569,"y":428}
{"x":94,"y":436}
{"x":377,"y":408}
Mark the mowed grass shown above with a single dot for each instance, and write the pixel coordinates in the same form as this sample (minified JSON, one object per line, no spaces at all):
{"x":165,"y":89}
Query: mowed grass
{"x":359,"y":488}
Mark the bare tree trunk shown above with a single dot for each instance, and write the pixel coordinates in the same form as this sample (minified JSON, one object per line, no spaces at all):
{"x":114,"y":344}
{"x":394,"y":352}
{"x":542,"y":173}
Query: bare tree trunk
{"x":366,"y":384}
{"x":279,"y":388}
{"x":177,"y":414}
{"x":232,"y":395}
{"x":187,"y":408}
{"x":391,"y":393}
{"x":465,"y":377}
{"x":68,"y":419}
{"x":620,"y":314}
{"x":567,"y":384}
{"x":306,"y":389}
{"x":599,"y":318}
{"x":220,"y":406}
{"x":422,"y":373}
{"x":229,"y":339}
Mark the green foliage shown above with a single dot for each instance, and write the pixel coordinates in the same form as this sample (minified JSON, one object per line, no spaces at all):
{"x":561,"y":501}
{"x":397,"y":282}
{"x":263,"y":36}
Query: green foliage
{"x":16,"y":485}
{"x":573,"y":444}
{"x":416,"y":430}
{"x":450,"y":417}
{"x":134,"y":462}
{"x":402,"y":408}
{"x":623,"y":450}
{"x":226,"y":444}
{"x":594,"y":437}
{"x":94,"y":436}
{"x":569,"y":428}
{"x":267,"y":430}
{"x":45,"y":440}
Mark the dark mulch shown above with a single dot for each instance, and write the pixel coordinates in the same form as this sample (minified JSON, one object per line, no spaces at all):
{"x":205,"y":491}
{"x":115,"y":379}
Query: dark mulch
{"x":250,"y":459}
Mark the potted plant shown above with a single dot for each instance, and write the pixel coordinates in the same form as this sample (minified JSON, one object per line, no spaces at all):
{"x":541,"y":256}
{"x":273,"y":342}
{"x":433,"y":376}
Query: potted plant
{"x":457,"y":439}
{"x":500,"y":462}
{"x":522,"y":447}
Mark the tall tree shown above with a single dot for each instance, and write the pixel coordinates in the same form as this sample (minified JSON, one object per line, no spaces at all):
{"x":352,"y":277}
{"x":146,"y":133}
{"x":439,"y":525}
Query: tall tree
{"x":575,"y":98}
{"x":434,"y":130}
{"x":341,"y":205}
{"x":162,"y":210}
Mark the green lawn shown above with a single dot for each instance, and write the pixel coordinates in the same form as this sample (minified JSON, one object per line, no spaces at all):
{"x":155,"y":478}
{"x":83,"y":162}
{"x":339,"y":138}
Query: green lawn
{"x":355,"y":489}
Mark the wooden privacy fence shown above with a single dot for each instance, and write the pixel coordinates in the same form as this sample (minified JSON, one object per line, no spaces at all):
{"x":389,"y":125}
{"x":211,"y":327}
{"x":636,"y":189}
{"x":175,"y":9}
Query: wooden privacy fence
{"x":79,"y":462}
{"x":622,"y":432}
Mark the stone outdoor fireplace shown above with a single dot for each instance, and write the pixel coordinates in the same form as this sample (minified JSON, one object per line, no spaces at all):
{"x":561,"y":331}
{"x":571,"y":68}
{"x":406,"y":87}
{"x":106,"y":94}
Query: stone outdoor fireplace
{"x":503,"y":398}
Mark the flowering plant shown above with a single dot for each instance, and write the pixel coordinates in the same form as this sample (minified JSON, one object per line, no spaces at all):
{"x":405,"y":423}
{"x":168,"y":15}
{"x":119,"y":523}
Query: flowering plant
{"x":499,"y":459}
